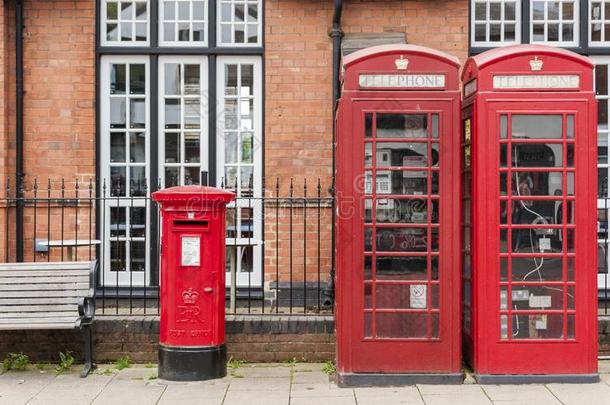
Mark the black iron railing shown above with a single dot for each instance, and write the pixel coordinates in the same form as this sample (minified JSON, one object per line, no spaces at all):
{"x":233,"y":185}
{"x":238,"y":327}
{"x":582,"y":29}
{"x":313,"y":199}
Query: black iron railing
{"x":278,"y":251}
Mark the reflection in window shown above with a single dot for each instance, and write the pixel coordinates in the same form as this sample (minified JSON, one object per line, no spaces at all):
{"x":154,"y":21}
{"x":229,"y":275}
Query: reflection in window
{"x":183,"y":22}
{"x":554,"y":21}
{"x":496,"y":22}
{"x":125,"y":22}
{"x":599,"y":22}
{"x":239,"y":22}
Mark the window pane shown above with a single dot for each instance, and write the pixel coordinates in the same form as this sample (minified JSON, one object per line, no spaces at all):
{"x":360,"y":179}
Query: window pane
{"x":198,"y":10}
{"x":191,"y":147}
{"x":601,"y":79}
{"x":172,"y":176}
{"x":126,"y":11}
{"x":568,"y":11}
{"x":137,"y":142}
{"x":112,"y":11}
{"x":140,"y":11}
{"x":552,"y":10}
{"x":172,"y":113}
{"x":538,"y":10}
{"x":117,"y":147}
{"x":480,"y":11}
{"x":537,"y":126}
{"x":137,"y":185}
{"x":126,"y":31}
{"x":117,"y":79}
{"x":539,"y":32}
{"x":495,"y":11}
{"x":509,"y":11}
{"x":183,"y":10}
{"x":169,"y":10}
{"x":137,"y":113}
{"x":479,"y":33}
{"x":137,"y":79}
{"x":191,"y":79}
{"x":172,"y":147}
{"x":169,"y":33}
{"x":172,"y":79}
{"x":117,"y":112}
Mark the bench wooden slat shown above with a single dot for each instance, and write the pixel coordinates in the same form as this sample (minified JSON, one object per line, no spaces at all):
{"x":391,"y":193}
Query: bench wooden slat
{"x":22,"y":308}
{"x":21,"y":321}
{"x":43,"y":294}
{"x":44,"y":287}
{"x":38,"y":326}
{"x":38,"y":301}
{"x":36,"y":266}
{"x":43,"y":273}
{"x":44,"y":280}
{"x":44,"y":314}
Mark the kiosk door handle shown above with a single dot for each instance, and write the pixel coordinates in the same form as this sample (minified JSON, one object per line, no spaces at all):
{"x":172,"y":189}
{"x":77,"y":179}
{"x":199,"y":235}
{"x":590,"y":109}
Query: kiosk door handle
{"x":208,"y":290}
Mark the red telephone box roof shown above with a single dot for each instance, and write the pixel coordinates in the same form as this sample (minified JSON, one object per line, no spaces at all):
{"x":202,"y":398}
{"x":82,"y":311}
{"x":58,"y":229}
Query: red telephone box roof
{"x":535,"y":60}
{"x":381,"y":50}
{"x":400,"y":67}
{"x":188,"y":193}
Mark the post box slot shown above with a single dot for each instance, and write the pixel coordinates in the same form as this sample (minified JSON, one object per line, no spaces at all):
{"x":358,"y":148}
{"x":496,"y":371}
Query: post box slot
{"x":191,"y":224}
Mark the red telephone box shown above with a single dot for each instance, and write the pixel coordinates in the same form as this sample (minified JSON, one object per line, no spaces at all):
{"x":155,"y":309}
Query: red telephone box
{"x":192,"y":318}
{"x":529,"y":215}
{"x":398,"y":190}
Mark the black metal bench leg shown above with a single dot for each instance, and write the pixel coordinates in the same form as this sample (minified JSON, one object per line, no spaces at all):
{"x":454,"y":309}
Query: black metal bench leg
{"x":89,"y":365}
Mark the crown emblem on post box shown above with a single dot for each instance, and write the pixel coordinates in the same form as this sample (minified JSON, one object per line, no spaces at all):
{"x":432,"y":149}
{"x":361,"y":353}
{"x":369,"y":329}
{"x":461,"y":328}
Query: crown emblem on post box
{"x":190,"y":296}
{"x":536,"y":64}
{"x":402,"y":63}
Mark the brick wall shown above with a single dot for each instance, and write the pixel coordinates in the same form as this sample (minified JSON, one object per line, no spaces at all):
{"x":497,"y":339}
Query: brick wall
{"x":298,"y":63}
{"x":253,"y":339}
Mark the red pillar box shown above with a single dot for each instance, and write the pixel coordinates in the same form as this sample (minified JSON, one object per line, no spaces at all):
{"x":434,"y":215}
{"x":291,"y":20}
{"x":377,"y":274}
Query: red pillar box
{"x":192,"y":325}
{"x":529,"y":215}
{"x":398,"y":183}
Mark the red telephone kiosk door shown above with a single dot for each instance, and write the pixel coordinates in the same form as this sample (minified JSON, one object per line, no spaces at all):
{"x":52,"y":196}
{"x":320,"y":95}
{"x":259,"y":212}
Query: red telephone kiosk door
{"x":529,"y":120}
{"x":398,"y":174}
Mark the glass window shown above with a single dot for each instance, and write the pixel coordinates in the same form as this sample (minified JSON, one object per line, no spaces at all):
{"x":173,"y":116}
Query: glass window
{"x":495,"y":22}
{"x":239,"y":22}
{"x":182,"y":120}
{"x":599,"y":22}
{"x":183,"y":22}
{"x":601,"y":91}
{"x":124,"y":22}
{"x":554,"y":22}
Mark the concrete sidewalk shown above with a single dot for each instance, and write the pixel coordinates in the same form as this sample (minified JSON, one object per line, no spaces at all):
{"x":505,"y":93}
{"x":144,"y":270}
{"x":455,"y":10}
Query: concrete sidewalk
{"x":273,"y":384}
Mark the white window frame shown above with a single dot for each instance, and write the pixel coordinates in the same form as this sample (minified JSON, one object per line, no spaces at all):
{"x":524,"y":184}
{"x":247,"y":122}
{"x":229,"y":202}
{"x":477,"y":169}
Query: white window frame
{"x":253,"y":278}
{"x":103,"y":28}
{"x":259,"y":23}
{"x":178,"y":43}
{"x":576,"y":22}
{"x":602,"y":20}
{"x":518,"y":25}
{"x":123,"y":278}
{"x":204,"y":143}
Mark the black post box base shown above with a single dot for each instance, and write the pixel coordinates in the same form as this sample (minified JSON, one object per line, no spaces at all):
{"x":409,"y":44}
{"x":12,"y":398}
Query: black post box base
{"x":192,"y":364}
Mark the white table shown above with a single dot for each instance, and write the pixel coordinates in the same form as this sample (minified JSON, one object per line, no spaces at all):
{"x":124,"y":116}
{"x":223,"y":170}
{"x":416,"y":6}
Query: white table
{"x":70,"y":244}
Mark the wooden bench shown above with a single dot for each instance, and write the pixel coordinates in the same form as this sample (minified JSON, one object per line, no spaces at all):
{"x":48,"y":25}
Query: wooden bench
{"x":48,"y":296}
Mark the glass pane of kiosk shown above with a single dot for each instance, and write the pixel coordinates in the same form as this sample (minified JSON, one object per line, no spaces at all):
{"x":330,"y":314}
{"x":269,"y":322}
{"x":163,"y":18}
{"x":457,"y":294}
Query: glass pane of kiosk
{"x":401,"y":226}
{"x":536,"y":177}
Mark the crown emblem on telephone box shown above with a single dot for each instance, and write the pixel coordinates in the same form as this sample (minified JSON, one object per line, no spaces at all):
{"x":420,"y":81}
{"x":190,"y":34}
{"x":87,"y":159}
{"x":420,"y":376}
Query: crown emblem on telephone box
{"x":536,"y":64}
{"x":402,"y":63}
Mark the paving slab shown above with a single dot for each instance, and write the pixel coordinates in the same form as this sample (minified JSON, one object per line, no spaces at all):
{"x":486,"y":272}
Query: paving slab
{"x":449,"y":389}
{"x":310,"y":377}
{"x":194,"y":394}
{"x":268,"y":370}
{"x":520,"y":393}
{"x":18,"y":387}
{"x":603,"y":366}
{"x":392,"y":395}
{"x":457,"y":398}
{"x":329,"y":401}
{"x":131,"y":386}
{"x":72,"y":389}
{"x":260,"y":384}
{"x":249,"y":398}
{"x":319,"y":390}
{"x":579,"y":394}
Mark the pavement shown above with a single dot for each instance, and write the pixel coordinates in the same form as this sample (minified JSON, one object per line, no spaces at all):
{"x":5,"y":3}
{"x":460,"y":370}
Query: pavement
{"x":272,"y":384}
